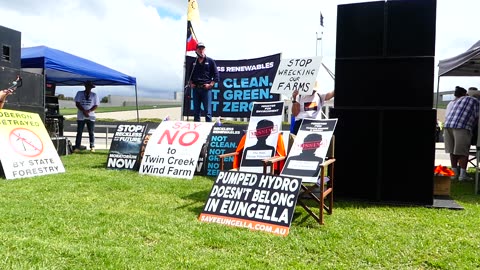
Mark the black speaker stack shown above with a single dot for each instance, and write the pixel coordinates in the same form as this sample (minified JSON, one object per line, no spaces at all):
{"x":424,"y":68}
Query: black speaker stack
{"x":10,"y":41}
{"x":29,"y":97}
{"x":384,"y":85}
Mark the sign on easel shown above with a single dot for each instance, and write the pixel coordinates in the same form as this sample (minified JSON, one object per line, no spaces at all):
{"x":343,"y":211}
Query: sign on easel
{"x":26,"y":147}
{"x":309,"y":149}
{"x":296,"y":74}
{"x":174,"y":148}
{"x":251,"y":200}
{"x":262,"y":135}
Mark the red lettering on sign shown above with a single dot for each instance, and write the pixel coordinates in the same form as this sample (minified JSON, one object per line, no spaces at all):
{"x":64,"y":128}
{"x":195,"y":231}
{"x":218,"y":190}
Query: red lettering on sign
{"x":183,"y":140}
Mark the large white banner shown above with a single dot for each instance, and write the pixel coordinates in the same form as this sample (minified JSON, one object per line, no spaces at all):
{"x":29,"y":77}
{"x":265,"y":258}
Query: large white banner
{"x":26,"y":149}
{"x":174,"y":148}
{"x":296,"y":74}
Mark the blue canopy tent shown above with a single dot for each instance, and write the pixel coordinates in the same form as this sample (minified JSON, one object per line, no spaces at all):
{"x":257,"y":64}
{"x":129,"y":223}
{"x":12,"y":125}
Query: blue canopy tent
{"x":66,"y":69}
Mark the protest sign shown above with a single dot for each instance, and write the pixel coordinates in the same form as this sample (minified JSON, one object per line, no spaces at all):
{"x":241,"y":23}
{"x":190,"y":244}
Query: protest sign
{"x":174,"y":148}
{"x":26,"y":147}
{"x":296,"y":74}
{"x":125,"y":147}
{"x":262,"y":135}
{"x":222,"y":140}
{"x":309,"y":149}
{"x":252,"y":200}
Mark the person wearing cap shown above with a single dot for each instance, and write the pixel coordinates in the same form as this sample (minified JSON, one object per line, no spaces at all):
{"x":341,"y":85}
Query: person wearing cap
{"x":461,"y":117}
{"x":87,"y":102}
{"x":308,"y":106}
{"x":204,"y":75}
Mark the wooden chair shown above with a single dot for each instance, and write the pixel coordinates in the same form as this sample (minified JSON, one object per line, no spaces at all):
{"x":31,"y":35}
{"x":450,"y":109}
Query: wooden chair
{"x":320,"y":192}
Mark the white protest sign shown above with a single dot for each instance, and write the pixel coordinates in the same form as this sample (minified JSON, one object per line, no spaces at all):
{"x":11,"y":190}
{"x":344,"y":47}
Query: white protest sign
{"x":296,"y":74}
{"x":174,"y":148}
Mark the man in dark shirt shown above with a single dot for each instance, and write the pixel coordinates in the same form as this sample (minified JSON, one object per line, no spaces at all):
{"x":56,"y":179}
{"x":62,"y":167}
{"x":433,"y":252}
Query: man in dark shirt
{"x":203,"y":78}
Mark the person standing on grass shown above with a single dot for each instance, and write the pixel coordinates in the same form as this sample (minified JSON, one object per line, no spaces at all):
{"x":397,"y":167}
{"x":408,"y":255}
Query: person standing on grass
{"x":87,"y":102}
{"x":204,"y":75}
{"x":461,"y":117}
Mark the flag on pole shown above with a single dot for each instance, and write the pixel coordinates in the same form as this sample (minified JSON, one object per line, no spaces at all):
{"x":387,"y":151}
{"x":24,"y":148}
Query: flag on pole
{"x":193,"y":15}
{"x":321,"y":19}
{"x":191,"y":38}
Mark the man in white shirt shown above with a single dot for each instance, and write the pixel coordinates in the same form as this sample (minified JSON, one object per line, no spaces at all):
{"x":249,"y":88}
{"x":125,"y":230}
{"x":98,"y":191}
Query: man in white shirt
{"x":86,"y":102}
{"x":308,"y":106}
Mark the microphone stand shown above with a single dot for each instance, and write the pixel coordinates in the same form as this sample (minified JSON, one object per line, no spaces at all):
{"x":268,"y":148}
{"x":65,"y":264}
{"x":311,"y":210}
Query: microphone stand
{"x":187,"y":87}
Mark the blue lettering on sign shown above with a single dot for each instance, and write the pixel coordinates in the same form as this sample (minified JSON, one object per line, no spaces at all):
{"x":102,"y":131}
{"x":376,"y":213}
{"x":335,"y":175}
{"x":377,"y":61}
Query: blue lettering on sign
{"x":247,"y":94}
{"x":237,"y":106}
{"x":213,"y":166}
{"x":246,"y":82}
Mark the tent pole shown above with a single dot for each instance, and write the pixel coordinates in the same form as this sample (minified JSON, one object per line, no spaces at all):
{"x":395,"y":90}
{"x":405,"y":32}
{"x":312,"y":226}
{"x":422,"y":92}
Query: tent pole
{"x":136,"y":103}
{"x":438,"y":94}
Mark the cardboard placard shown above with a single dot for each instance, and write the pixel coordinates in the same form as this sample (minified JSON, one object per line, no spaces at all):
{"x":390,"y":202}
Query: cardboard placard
{"x":296,"y":74}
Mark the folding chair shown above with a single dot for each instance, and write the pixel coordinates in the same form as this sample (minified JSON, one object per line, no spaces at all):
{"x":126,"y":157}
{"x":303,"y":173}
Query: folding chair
{"x":320,"y":192}
{"x":474,"y":156}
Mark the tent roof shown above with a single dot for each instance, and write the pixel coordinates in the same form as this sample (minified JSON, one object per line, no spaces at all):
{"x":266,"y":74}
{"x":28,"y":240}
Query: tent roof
{"x":63,"y":68}
{"x":464,"y":64}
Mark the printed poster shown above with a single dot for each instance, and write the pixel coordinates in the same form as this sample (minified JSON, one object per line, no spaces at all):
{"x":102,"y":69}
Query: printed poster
{"x":251,"y":200}
{"x":296,"y":74}
{"x":242,"y":82}
{"x":309,"y":149}
{"x":174,"y":148}
{"x":262,"y":135}
{"x":125,"y":147}
{"x":223,"y":139}
{"x":26,"y":147}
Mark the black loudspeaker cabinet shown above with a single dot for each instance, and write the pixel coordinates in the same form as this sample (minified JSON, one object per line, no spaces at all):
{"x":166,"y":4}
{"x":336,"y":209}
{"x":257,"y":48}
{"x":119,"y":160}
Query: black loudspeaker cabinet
{"x":360,"y":30}
{"x":385,"y":155}
{"x":62,"y":145}
{"x":357,"y":139}
{"x":385,"y":82}
{"x":408,"y":155}
{"x":410,"y":27}
{"x":10,"y":42}
{"x":386,"y":29}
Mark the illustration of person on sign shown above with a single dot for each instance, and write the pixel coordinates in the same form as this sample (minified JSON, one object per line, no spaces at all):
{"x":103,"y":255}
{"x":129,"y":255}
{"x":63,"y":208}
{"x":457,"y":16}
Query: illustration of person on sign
{"x":306,"y":163}
{"x":253,"y":155}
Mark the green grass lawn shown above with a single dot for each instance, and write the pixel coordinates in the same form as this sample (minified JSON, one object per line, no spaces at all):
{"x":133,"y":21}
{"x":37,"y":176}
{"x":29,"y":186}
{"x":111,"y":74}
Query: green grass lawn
{"x":94,"y":218}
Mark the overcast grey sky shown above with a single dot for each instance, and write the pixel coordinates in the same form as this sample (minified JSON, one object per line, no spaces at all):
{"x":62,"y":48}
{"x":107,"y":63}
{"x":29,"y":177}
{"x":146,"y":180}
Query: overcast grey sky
{"x":146,"y":38}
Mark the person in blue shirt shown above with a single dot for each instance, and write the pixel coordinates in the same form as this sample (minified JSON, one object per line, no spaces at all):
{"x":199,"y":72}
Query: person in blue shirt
{"x":203,"y":77}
